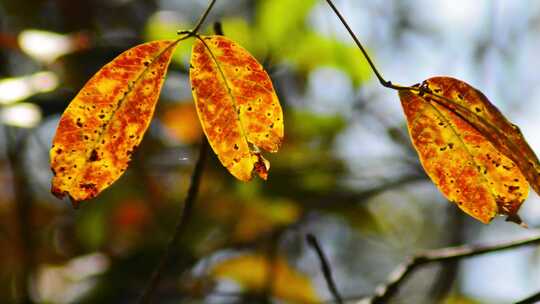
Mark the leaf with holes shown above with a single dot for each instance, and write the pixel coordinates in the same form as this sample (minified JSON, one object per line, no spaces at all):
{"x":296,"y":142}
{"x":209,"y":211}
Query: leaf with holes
{"x":106,"y":121}
{"x":237,"y":105}
{"x":468,"y":148}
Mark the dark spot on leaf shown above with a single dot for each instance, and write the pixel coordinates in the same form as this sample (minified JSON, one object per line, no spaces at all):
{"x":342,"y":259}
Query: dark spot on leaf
{"x":93,"y":156}
{"x":88,"y":186}
{"x":512,"y":188}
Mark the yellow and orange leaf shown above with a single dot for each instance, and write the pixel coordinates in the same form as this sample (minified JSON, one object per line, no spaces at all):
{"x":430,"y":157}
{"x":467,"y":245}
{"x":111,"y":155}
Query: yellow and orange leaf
{"x":237,"y":105}
{"x":106,"y":121}
{"x":252,"y":271}
{"x":474,"y":107}
{"x":461,"y":160}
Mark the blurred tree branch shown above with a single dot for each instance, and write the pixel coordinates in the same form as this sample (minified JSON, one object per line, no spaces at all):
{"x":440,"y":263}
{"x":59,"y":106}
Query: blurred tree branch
{"x":448,"y":254}
{"x":449,"y":271}
{"x":325,"y":267}
{"x":181,"y":225}
{"x":23,"y":199}
{"x":535,"y":298}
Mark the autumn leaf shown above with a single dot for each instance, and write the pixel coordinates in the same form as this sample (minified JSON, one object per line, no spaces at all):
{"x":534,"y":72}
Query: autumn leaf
{"x":106,"y":121}
{"x":252,"y":272}
{"x":237,"y":105}
{"x":473,"y":106}
{"x":468,"y":148}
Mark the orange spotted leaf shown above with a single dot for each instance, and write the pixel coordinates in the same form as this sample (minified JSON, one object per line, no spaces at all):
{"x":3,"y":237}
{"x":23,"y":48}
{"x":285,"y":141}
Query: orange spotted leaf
{"x":237,"y":105}
{"x":474,"y":107}
{"x":463,"y":161}
{"x":106,"y":121}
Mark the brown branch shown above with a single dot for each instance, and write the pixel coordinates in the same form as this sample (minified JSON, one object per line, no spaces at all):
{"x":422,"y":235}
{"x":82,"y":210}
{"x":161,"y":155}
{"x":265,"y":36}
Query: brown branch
{"x":397,"y":277}
{"x":23,"y":199}
{"x":448,"y":273}
{"x":180,"y":226}
{"x":325,"y":267}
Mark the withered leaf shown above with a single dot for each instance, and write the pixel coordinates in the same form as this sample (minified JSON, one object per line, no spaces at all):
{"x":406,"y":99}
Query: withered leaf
{"x":237,"y":105}
{"x":106,"y":121}
{"x":458,"y":135}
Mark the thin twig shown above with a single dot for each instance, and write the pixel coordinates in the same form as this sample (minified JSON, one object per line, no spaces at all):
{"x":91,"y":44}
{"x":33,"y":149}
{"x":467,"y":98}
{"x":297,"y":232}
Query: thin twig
{"x":383,"y":82}
{"x":203,"y":17}
{"x":325,"y":267}
{"x":195,"y":30}
{"x":180,"y":226}
{"x":404,"y":270}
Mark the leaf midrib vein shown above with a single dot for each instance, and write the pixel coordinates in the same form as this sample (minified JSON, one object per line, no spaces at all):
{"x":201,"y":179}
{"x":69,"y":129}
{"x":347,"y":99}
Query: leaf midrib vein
{"x":229,"y":91}
{"x":129,"y":90}
{"x":471,"y":156}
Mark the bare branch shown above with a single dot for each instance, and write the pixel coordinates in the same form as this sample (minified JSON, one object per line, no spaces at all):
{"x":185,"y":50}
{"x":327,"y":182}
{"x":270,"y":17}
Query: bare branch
{"x":404,"y":270}
{"x":325,"y":267}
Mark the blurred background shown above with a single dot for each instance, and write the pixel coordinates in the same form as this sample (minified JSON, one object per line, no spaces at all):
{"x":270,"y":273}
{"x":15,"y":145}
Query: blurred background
{"x":346,"y":171}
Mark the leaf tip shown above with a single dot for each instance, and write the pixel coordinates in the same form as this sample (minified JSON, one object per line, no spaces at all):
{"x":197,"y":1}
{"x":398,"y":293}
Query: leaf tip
{"x":75,"y":203}
{"x":515,"y":218}
{"x":57,"y":192}
{"x":261,"y":167}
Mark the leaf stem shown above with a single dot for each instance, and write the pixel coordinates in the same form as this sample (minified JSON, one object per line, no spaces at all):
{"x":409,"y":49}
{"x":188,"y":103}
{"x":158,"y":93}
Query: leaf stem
{"x":382,"y":81}
{"x":180,"y":226}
